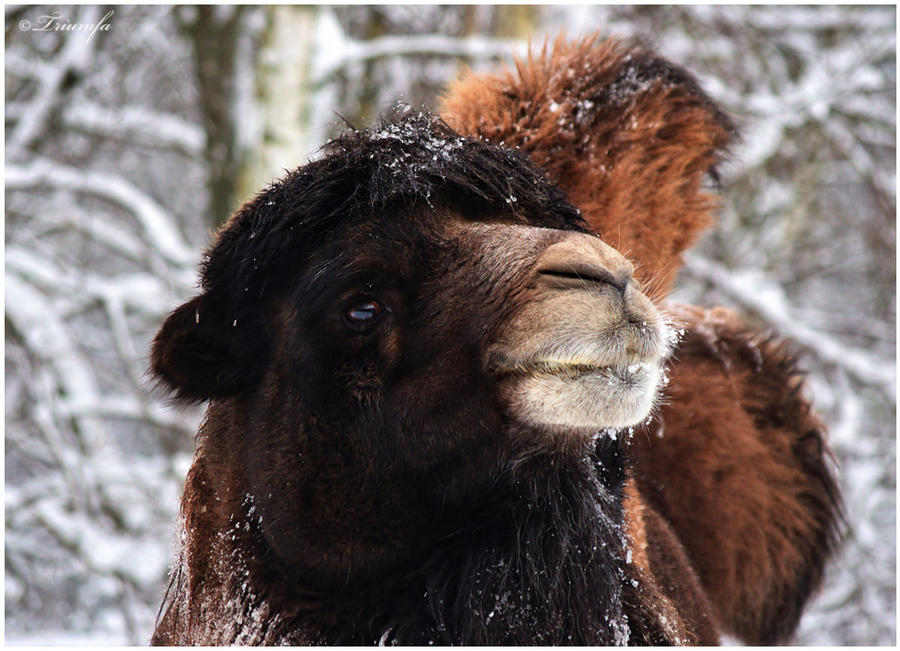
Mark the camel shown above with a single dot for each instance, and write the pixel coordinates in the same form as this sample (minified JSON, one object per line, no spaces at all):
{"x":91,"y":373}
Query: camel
{"x":449,"y":402}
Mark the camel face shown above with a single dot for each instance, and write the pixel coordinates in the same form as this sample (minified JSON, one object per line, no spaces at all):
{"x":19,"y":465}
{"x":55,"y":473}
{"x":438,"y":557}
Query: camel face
{"x":427,"y":313}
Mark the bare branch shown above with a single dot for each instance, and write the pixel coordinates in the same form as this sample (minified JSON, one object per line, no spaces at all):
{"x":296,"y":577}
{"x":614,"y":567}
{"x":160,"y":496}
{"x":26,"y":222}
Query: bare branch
{"x":127,"y":407}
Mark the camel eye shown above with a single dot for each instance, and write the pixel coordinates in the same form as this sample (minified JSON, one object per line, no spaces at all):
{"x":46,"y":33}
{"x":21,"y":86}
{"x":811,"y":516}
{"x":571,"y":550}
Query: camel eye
{"x":364,"y":314}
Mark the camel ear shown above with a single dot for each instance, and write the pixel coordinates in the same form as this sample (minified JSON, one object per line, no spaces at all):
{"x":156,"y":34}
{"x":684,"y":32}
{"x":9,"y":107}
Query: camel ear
{"x":200,"y":354}
{"x":629,"y":137}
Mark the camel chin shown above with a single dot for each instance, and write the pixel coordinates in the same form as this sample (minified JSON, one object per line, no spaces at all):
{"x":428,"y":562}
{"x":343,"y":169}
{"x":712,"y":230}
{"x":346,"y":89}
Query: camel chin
{"x":582,"y":399}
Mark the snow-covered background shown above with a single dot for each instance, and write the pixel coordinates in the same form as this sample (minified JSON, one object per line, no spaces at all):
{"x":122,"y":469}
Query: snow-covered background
{"x":125,"y":146}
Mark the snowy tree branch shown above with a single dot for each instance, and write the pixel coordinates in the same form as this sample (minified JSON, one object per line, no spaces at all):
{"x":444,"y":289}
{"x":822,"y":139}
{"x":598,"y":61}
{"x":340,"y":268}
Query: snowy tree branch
{"x":135,"y":123}
{"x":355,"y":51}
{"x":751,"y":289}
{"x":74,"y":57}
{"x":127,"y":407}
{"x":141,"y":293}
{"x":157,"y":225}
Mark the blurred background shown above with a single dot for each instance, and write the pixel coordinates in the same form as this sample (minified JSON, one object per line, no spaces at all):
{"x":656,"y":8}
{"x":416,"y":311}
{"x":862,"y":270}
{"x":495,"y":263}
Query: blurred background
{"x":127,"y":143}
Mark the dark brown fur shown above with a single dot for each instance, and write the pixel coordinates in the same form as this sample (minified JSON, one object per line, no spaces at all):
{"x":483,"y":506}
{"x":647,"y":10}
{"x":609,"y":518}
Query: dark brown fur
{"x":363,"y":489}
{"x":350,"y":488}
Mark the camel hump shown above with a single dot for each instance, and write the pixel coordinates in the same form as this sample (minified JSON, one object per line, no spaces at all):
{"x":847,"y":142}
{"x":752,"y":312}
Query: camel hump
{"x":629,"y":136}
{"x":737,"y":462}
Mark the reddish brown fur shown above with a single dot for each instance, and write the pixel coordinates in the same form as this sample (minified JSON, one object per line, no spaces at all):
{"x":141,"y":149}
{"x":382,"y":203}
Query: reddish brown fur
{"x":666,"y":574}
{"x":736,"y":463}
{"x":628,"y":136}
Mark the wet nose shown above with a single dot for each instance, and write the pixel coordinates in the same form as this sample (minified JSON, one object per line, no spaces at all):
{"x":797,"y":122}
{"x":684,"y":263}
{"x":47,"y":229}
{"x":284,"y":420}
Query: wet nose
{"x":579,"y":261}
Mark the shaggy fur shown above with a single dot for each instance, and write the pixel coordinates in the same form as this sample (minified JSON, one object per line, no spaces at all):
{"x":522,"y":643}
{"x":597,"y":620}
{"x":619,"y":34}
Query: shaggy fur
{"x":262,"y":246}
{"x":628,"y":135}
{"x":737,"y":463}
{"x":362,"y":485}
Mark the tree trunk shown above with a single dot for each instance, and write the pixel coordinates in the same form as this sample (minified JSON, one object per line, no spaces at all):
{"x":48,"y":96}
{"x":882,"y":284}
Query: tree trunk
{"x":284,"y":98}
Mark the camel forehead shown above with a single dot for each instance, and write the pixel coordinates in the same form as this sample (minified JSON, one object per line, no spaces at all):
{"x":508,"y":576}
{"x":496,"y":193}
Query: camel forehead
{"x":379,"y":180}
{"x":424,"y":245}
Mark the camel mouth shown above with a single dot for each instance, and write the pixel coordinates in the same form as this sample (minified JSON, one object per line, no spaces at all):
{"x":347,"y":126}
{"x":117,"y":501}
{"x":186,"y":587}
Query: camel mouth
{"x":629,"y":369}
{"x":586,"y":349}
{"x":578,"y":395}
{"x":625,"y":354}
{"x":625,"y":374}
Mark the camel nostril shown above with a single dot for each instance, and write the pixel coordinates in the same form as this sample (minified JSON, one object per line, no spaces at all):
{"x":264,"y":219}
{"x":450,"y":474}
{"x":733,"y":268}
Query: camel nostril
{"x":579,"y":274}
